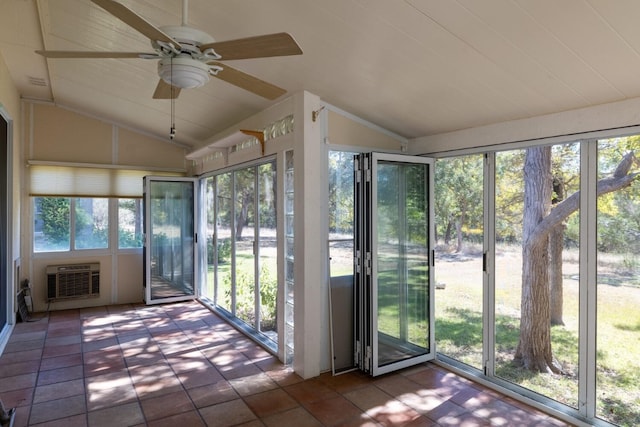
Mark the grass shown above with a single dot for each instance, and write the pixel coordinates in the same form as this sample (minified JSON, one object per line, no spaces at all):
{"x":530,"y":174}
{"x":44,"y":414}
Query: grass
{"x":459,"y":330}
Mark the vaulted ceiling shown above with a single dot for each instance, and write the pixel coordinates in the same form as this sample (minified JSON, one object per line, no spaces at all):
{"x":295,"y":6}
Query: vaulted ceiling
{"x":415,"y":67}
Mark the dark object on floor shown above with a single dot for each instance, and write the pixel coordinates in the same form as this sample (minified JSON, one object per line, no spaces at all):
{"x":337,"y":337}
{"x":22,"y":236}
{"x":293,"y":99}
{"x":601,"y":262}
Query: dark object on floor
{"x":6,"y":417}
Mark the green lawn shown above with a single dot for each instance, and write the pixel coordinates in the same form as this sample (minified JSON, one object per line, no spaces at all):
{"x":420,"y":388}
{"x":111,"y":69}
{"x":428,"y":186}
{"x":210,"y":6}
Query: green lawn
{"x":459,"y":332}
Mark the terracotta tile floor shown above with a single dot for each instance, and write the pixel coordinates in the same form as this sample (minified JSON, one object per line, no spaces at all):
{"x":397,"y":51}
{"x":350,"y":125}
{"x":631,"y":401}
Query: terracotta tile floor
{"x":180,"y":364}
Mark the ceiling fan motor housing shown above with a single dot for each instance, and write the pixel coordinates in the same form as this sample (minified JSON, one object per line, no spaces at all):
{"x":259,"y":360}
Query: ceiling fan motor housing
{"x":186,"y":69}
{"x":183,"y":72}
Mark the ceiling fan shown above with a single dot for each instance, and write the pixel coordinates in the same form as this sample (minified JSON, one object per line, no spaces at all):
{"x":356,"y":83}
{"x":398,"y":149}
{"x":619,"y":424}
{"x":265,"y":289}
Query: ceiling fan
{"x":187,"y":56}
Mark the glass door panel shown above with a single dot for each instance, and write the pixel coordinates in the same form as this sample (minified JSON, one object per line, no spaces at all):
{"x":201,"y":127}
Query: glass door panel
{"x":618,"y":284}
{"x":341,"y":255}
{"x":222,"y":241}
{"x":169,"y":239}
{"x":207,"y":288}
{"x":537,"y":269}
{"x":267,"y":251}
{"x":396,"y":304}
{"x":244,"y":259}
{"x":244,"y":243}
{"x":459,"y":258}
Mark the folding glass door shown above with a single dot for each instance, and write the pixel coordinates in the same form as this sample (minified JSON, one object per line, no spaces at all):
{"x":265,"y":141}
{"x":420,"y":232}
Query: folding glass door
{"x":170,"y":239}
{"x":394,"y":295}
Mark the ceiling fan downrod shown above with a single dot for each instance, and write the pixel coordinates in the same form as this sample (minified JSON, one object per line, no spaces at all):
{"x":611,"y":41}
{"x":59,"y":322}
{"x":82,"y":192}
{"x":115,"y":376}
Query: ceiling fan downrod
{"x":185,"y":13}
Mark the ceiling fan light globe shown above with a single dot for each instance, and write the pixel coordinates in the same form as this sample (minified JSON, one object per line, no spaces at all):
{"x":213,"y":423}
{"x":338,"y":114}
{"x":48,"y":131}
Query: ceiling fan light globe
{"x":184,"y":73}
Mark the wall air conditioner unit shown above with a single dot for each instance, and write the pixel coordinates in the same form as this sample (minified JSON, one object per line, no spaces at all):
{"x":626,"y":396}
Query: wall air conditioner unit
{"x":73,"y":281}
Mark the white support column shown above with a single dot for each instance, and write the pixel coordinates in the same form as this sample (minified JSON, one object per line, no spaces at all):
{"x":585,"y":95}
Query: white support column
{"x":309,"y":275}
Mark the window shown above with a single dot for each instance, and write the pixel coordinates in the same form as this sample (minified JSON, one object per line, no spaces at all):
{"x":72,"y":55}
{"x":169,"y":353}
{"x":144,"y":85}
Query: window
{"x":63,"y":224}
{"x":91,"y":223}
{"x":558,"y":319}
{"x":52,"y":224}
{"x":129,"y":223}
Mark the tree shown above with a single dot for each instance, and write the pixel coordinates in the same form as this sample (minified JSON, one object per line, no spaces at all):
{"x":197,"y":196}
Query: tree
{"x":459,"y":196}
{"x":534,"y":347}
{"x":55,"y":212}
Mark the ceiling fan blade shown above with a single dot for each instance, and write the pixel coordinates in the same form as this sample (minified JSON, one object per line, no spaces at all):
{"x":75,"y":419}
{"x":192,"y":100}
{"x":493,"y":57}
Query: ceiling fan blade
{"x":165,"y":91}
{"x":248,"y":82}
{"x":81,"y":54}
{"x":135,"y":21}
{"x":279,"y":44}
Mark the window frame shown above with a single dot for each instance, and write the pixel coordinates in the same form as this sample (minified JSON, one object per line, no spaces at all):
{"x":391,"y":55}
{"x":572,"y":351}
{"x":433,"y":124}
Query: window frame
{"x":113,"y":232}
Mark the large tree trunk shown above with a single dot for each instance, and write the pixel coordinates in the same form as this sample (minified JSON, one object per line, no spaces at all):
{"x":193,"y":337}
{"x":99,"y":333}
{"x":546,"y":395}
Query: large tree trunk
{"x":447,"y":232}
{"x":534,"y":348}
{"x":556,"y":242}
{"x":459,"y":234}
{"x":243,"y":214}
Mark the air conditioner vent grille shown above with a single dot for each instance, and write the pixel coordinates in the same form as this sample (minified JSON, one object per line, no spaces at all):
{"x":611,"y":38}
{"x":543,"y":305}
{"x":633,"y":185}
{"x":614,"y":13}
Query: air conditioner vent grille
{"x":73,"y":281}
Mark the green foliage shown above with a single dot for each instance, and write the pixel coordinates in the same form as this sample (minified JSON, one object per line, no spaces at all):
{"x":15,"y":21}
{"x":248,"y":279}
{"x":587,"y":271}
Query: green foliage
{"x":223,"y":251}
{"x":245,"y":296}
{"x":268,"y":298}
{"x":404,"y":187}
{"x":92,"y":226}
{"x":341,"y":199}
{"x":458,"y":196}
{"x":55,"y":215}
{"x":509,"y":195}
{"x":128,"y":239}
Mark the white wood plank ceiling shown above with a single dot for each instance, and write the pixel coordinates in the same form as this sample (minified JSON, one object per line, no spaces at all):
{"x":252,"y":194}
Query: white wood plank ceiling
{"x":415,"y":67}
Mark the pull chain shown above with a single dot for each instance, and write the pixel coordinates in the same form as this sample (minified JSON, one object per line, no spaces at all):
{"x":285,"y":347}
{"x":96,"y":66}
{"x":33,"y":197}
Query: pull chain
{"x":172,"y":131}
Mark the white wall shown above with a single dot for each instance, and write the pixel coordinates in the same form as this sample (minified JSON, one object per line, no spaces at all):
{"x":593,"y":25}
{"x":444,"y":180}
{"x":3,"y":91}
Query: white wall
{"x":60,"y":135}
{"x":10,"y":103}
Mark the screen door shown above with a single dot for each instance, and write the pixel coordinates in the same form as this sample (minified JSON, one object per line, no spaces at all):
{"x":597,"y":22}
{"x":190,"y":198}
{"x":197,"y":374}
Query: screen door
{"x":170,"y":239}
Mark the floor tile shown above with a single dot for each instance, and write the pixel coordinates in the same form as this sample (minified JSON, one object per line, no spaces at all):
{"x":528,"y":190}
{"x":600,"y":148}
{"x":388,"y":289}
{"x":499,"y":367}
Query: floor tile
{"x":180,"y":364}
{"x":212,"y":394}
{"x":186,"y":419}
{"x":20,"y":356}
{"x":154,"y":387}
{"x":200,"y":377}
{"x":72,"y":421}
{"x":61,"y":361}
{"x":227,"y":414}
{"x":166,"y":405}
{"x":23,"y":346}
{"x":65,"y":340}
{"x":20,"y":397}
{"x":298,"y":417}
{"x":252,"y":384}
{"x":56,"y":391}
{"x":18,"y":382}
{"x":270,"y":402}
{"x":60,"y":375}
{"x":310,"y":391}
{"x":19,"y":368}
{"x":61,"y":350}
{"x":109,"y":390}
{"x":121,"y":415}
{"x":56,"y":409}
{"x":334,"y":411}
{"x":368,"y":397}
{"x":29,"y":336}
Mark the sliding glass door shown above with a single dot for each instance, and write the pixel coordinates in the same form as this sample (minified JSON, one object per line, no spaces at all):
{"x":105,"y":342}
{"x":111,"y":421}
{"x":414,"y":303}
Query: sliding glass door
{"x":242,"y":254}
{"x":394,"y":301}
